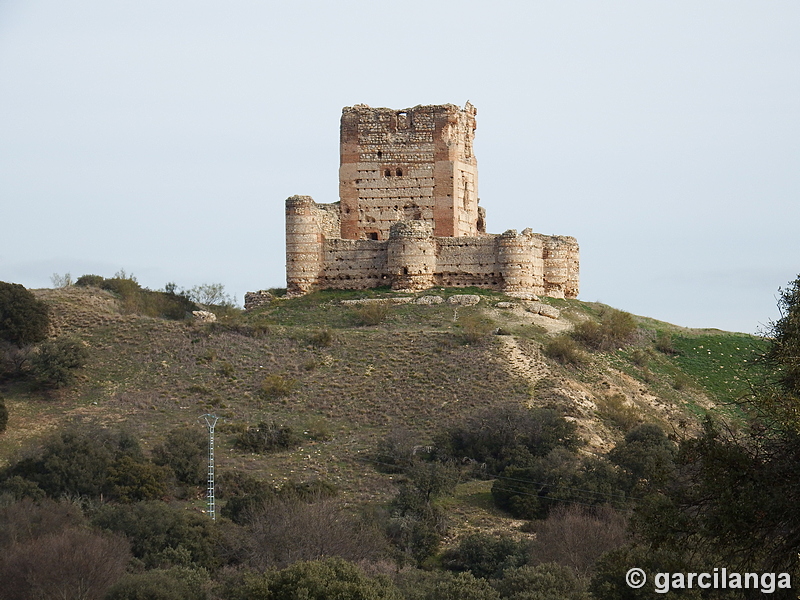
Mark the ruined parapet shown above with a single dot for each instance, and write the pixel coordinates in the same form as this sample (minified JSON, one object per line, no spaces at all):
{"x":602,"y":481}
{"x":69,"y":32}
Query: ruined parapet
{"x":411,"y":256}
{"x":304,"y":245}
{"x":560,"y":267}
{"x":255,"y":299}
{"x":520,"y":262}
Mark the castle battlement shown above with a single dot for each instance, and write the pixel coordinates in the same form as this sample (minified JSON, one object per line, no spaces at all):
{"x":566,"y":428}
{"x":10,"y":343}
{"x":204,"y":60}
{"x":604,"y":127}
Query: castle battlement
{"x":408,"y":215}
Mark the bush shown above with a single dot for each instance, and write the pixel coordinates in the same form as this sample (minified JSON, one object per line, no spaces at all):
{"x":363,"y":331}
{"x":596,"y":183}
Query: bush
{"x":318,"y":580}
{"x":184,"y":451}
{"x":475,"y":327}
{"x":485,"y":555}
{"x":90,"y":281}
{"x":24,"y":320}
{"x":564,"y":350}
{"x":507,"y":434}
{"x":576,"y":536}
{"x":74,"y":463}
{"x":277,"y":386}
{"x":664,"y":344}
{"x":372,"y":313}
{"x":159,"y":533}
{"x":561,"y":477}
{"x":438,"y":585}
{"x":3,"y":415}
{"x":395,"y":451}
{"x":616,"y":328}
{"x":615,"y":410}
{"x":267,"y":437}
{"x":549,"y":581}
{"x":133,"y":479}
{"x":73,"y":563}
{"x":54,"y":365}
{"x":646,"y":456}
{"x":321,"y":339}
{"x":152,"y":585}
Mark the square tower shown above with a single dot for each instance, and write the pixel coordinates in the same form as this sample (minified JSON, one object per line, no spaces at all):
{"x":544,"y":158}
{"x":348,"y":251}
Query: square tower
{"x":411,"y":164}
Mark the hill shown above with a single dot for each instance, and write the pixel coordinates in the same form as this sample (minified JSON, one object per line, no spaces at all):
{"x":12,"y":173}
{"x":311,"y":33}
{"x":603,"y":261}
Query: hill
{"x":346,"y":374}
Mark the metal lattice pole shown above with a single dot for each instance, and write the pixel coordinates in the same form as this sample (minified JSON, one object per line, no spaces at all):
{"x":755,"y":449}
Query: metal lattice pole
{"x":210,"y":421}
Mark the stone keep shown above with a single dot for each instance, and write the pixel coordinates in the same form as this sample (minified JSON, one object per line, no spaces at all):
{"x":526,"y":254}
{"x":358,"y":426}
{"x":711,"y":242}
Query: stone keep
{"x":408,"y":215}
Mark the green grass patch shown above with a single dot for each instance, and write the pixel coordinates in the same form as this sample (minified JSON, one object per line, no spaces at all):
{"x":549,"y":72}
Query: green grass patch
{"x":721,"y":363}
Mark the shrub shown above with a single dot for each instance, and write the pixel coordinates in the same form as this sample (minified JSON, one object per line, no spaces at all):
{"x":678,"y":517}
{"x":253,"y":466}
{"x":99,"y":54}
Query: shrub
{"x":160,"y":533}
{"x":267,"y":437}
{"x":546,"y":581}
{"x":24,"y":320}
{"x":3,"y":415}
{"x":681,"y":382}
{"x":157,"y":584}
{"x":616,"y":410}
{"x":443,"y":585}
{"x":664,"y":344}
{"x":372,"y":313}
{"x":395,"y":451}
{"x":74,"y":563}
{"x":61,"y":281}
{"x":321,"y":339}
{"x":616,"y":328}
{"x":184,"y":451}
{"x":576,"y":536}
{"x":55,"y":363}
{"x":507,"y":434}
{"x":475,"y":327}
{"x":485,"y":555}
{"x":74,"y":462}
{"x":90,"y":281}
{"x":646,"y":456}
{"x":133,"y":479}
{"x":319,"y":580}
{"x":564,"y":350}
{"x":276,"y":386}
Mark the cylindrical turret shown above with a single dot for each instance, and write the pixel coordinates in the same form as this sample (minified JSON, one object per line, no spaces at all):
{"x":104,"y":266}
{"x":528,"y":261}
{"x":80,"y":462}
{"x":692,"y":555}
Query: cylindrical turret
{"x":556,"y":270}
{"x":304,"y":246}
{"x":515,"y":259}
{"x":411,"y":258}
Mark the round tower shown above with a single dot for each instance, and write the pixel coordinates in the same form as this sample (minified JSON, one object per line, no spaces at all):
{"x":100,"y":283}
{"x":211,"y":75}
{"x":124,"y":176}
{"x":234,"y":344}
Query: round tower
{"x":411,"y":255}
{"x":515,"y":258}
{"x":556,"y":266}
{"x":304,"y":246}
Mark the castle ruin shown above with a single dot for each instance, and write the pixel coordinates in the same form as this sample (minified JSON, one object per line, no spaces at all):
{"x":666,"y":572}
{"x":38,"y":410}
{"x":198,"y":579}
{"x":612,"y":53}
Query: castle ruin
{"x":408,"y":215}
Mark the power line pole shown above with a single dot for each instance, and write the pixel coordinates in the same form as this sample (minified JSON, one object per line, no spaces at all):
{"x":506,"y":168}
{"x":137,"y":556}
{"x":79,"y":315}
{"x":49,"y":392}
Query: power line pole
{"x":210,"y":421}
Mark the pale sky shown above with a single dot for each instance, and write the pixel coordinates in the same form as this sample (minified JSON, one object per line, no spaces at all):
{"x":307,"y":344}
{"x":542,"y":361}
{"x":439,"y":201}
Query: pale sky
{"x":163,"y":137}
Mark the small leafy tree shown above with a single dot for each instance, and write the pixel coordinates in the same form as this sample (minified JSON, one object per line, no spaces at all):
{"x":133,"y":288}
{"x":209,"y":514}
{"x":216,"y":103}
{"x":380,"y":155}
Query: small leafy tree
{"x":24,"y":319}
{"x":184,"y":451}
{"x":55,"y":363}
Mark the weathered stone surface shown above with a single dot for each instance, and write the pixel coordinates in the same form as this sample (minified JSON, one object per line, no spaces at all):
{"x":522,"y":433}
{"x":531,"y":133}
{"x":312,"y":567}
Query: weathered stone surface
{"x":464,"y":299}
{"x":506,"y":305}
{"x":255,"y":299}
{"x":204,"y":316}
{"x":428,"y":300}
{"x":539,"y":308}
{"x":408,"y":215}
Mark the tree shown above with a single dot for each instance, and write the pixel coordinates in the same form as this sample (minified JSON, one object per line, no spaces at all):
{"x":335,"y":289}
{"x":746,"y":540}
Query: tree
{"x":55,"y":363}
{"x":74,"y":564}
{"x":24,"y":319}
{"x":485,"y":555}
{"x":548,"y":581}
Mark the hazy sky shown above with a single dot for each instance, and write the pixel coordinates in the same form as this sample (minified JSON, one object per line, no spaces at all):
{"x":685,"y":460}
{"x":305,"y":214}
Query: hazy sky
{"x":163,"y":137}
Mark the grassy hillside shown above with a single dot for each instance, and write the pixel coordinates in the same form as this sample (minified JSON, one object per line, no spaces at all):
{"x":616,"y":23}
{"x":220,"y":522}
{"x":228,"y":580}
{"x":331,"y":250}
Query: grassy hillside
{"x":313,"y":364}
